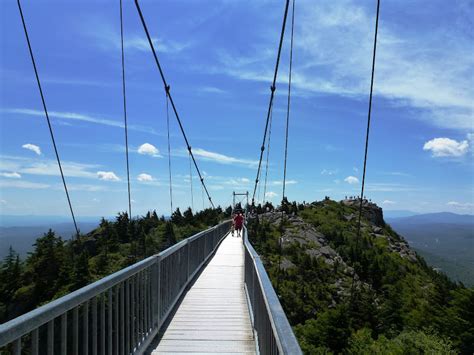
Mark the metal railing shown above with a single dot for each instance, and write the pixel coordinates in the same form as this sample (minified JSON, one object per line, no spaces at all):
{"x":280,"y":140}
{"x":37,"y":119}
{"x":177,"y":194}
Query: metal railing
{"x":119,"y":314}
{"x":274,"y":334}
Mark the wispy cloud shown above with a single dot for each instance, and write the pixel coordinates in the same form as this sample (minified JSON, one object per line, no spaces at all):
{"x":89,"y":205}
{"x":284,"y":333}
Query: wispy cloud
{"x":389,"y":187}
{"x":73,"y":116}
{"x":107,"y":37}
{"x":212,"y":90}
{"x":50,"y":167}
{"x":32,"y":147}
{"x":280,"y":182}
{"x":19,"y":184}
{"x":12,"y":175}
{"x":328,"y":172}
{"x":428,"y":71}
{"x":47,"y":167}
{"x":461,"y":205}
{"x":221,"y":158}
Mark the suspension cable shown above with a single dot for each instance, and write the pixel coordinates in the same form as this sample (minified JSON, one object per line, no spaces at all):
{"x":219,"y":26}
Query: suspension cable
{"x":171,"y":101}
{"x":125,"y":113}
{"x":289,"y":100}
{"x":191,"y":182}
{"x":47,"y":118}
{"x":280,"y":246}
{"x":169,"y":150}
{"x":202,"y":197}
{"x":366,"y":139}
{"x":272,"y":89}
{"x":268,"y":155}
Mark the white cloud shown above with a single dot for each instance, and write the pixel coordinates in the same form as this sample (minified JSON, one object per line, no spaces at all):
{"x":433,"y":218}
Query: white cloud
{"x":446,"y":147}
{"x":271,"y":194}
{"x":351,"y":180}
{"x":32,"y":147}
{"x":13,"y":175}
{"x":3,"y":202}
{"x":145,"y":177}
{"x":388,"y":202}
{"x":73,"y":116}
{"x":107,"y":176}
{"x":222,"y":159}
{"x":148,"y":149}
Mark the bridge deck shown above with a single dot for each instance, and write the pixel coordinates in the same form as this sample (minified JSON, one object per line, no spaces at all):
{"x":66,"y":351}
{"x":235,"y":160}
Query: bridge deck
{"x":213,"y":316}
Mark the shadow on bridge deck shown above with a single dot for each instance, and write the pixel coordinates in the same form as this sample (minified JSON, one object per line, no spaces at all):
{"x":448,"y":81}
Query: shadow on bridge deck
{"x":213,"y":316}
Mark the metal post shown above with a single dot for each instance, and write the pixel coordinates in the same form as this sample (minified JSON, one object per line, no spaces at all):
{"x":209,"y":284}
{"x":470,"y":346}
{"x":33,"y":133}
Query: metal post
{"x":50,"y":337}
{"x":102,"y":325}
{"x":110,"y":321}
{"x":64,"y":333}
{"x":127,"y":316}
{"x":122,"y":320}
{"x":34,"y":342}
{"x":75,"y":331}
{"x":85,"y":328}
{"x":94,"y":326}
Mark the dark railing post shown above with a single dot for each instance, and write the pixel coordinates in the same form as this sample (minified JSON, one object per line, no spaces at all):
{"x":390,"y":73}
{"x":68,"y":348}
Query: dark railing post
{"x":188,"y":266}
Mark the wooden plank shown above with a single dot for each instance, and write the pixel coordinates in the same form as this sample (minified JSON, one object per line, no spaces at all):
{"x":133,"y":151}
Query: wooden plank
{"x":213,"y":316}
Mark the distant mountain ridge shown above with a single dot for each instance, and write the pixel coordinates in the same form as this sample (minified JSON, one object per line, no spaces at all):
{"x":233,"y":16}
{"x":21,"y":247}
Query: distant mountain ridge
{"x":445,"y":239}
{"x":434,"y":218}
{"x":40,"y":220}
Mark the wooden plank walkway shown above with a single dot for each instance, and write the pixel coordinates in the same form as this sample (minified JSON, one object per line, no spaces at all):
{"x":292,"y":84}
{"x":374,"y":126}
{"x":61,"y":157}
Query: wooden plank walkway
{"x":213,"y":316}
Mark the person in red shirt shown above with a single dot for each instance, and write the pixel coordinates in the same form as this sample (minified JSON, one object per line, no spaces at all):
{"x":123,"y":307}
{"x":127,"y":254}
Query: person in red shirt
{"x":238,"y":223}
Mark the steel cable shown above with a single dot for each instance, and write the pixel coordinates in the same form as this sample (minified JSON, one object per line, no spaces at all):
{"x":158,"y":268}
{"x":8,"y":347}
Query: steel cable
{"x":169,"y":150}
{"x":47,"y":118}
{"x":268,"y":155}
{"x":191,"y":182}
{"x":272,"y":88}
{"x":125,"y":113}
{"x":366,"y":142}
{"x":171,"y":101}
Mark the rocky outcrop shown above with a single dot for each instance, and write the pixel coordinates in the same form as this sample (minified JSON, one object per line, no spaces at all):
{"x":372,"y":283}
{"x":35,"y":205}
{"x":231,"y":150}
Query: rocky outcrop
{"x":315,"y":245}
{"x":370,"y":211}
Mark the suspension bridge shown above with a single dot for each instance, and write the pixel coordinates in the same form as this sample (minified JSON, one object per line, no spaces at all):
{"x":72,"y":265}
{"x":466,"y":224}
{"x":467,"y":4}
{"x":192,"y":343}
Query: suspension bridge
{"x":209,"y":293}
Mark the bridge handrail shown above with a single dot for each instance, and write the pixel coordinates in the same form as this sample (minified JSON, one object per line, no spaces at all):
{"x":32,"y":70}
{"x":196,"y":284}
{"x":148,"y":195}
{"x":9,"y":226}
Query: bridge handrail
{"x":274,"y":332}
{"x":27,"y":322}
{"x":157,"y":298}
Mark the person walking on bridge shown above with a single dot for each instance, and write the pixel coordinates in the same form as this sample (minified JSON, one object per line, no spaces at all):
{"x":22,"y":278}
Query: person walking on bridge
{"x":238,"y":223}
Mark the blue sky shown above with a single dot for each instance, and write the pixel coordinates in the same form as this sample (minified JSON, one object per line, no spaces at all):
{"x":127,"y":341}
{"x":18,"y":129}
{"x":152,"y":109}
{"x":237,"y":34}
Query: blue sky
{"x":218,"y":57}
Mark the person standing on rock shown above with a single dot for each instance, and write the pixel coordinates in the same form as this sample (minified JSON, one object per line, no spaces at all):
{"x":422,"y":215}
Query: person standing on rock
{"x":238,"y":223}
